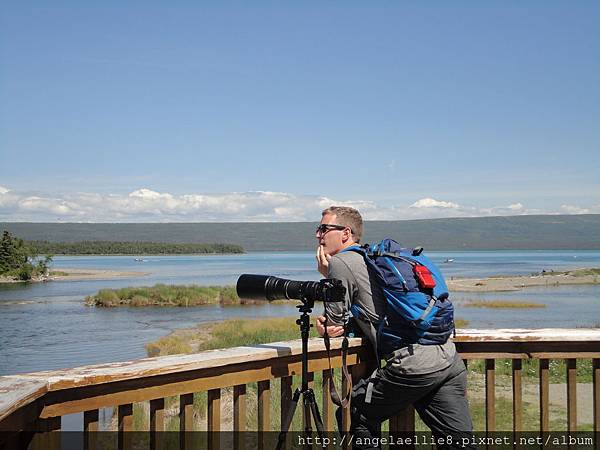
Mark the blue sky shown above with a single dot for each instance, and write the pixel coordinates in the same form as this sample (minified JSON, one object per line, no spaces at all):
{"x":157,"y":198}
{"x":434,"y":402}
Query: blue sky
{"x":233,"y":111}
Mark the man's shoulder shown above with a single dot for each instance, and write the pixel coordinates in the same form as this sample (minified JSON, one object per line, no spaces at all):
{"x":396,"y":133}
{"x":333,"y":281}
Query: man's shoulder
{"x":349,"y":259}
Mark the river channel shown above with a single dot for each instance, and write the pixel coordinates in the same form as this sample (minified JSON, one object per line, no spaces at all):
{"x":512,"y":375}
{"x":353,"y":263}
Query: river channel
{"x":47,"y":326}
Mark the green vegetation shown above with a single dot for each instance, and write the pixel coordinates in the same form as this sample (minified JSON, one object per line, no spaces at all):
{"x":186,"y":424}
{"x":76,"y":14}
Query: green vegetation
{"x":502,"y":304}
{"x":231,"y":333}
{"x":130,"y":248}
{"x":585,"y":272}
{"x":460,"y":323}
{"x":58,"y":273}
{"x":164,"y":295}
{"x":19,"y":261}
{"x":574,"y":273}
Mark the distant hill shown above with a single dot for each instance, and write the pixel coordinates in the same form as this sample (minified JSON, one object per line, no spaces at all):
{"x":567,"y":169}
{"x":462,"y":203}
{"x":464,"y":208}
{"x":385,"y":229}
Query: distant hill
{"x":480,"y":233}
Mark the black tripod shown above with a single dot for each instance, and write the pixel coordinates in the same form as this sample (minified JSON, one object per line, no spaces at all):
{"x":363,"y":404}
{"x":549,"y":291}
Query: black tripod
{"x":308,"y":395}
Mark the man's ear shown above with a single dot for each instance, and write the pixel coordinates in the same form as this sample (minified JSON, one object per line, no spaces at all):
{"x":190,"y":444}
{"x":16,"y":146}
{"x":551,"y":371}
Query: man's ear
{"x":347,"y":235}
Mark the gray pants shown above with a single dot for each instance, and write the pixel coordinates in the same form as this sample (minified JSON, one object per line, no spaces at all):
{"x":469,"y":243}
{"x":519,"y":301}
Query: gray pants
{"x":439,"y":398}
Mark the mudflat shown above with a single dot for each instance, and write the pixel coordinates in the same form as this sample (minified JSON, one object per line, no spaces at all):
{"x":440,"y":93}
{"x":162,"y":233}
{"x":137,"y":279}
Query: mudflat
{"x":499,"y":284}
{"x":93,"y":274}
{"x":77,"y":275}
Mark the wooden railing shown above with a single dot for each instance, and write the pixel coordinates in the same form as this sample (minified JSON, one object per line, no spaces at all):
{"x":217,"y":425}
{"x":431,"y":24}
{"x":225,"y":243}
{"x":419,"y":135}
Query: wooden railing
{"x":31,"y":405}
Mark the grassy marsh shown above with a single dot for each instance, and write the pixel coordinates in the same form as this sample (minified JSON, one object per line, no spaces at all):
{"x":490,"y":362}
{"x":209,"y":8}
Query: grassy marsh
{"x":164,"y":295}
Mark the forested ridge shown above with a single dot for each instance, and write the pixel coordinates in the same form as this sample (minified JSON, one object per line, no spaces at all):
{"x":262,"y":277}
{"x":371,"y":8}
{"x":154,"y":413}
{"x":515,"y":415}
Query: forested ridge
{"x":552,"y":232}
{"x":130,"y":248}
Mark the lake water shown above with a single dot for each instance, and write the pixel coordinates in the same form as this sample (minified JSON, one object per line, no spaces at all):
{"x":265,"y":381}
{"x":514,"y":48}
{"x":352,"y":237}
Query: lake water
{"x":46,"y":325}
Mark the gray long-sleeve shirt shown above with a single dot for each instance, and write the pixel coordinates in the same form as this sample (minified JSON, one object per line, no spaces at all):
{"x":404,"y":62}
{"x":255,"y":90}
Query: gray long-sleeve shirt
{"x":351,"y":268}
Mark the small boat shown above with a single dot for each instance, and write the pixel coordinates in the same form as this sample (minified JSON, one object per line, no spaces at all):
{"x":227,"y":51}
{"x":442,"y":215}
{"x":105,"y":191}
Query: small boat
{"x":449,"y":260}
{"x":140,"y":260}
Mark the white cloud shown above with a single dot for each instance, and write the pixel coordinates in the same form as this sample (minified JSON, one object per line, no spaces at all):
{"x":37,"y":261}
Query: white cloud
{"x":573,"y":209}
{"x":432,"y":203}
{"x":147,"y":205}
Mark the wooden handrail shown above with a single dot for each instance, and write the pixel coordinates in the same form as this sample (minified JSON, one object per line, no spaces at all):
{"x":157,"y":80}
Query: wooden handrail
{"x":29,"y":398}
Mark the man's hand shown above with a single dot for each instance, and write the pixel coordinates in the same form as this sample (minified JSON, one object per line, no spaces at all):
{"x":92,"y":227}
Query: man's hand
{"x":322,"y":261}
{"x":332,"y":330}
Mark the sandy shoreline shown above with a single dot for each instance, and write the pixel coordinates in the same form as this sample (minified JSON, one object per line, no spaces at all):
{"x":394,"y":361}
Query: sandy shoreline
{"x":80,"y":275}
{"x":499,"y":284}
{"x":488,"y":284}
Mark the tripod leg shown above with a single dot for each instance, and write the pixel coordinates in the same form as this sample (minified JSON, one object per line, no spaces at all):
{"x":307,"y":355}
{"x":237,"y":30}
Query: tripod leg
{"x":310,"y":400}
{"x":285,"y":426}
{"x":307,"y":417}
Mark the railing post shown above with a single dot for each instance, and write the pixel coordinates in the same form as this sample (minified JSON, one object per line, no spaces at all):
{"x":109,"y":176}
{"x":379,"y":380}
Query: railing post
{"x":214,"y":418}
{"x":571,"y":394}
{"x":403,"y":423}
{"x":490,"y":395}
{"x":357,"y":371}
{"x":328,"y":408}
{"x":125,"y":416}
{"x":544,"y":396}
{"x":90,"y":429}
{"x":239,"y":415}
{"x":596,"y":381}
{"x":157,"y":424}
{"x":186,"y":421}
{"x":264,"y":391}
{"x":285,"y":389}
{"x":517,"y":394}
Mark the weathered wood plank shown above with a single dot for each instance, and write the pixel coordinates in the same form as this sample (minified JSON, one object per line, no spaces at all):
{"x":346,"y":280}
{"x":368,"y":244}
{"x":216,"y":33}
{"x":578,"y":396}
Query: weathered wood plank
{"x":118,"y":383}
{"x":490,"y":395}
{"x":571,"y":394}
{"x":544,"y":376}
{"x":131,"y":391}
{"x":103,"y":373}
{"x":157,"y":424}
{"x":17,"y":392}
{"x":164,"y":365}
{"x":525,"y":335}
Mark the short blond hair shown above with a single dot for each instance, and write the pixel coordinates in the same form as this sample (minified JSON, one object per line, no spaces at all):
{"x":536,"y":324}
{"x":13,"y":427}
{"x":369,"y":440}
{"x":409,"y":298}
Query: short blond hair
{"x":348,"y":217}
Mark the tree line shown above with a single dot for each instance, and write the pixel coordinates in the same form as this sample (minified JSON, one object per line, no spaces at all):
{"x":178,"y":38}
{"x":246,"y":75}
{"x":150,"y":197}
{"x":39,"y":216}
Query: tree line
{"x":20,"y":260}
{"x":130,"y":248}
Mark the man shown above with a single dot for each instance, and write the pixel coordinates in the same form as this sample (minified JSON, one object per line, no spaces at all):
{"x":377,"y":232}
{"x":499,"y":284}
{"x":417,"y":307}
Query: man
{"x":433,"y":378}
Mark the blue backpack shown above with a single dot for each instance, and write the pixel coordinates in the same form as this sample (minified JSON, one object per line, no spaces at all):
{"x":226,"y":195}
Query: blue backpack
{"x":418,"y":310}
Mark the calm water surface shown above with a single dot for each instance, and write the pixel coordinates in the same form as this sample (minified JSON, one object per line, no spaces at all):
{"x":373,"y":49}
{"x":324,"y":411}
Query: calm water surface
{"x":46,"y":326}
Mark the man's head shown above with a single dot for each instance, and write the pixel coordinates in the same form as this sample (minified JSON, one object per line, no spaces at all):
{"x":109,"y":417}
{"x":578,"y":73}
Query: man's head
{"x":341,"y":227}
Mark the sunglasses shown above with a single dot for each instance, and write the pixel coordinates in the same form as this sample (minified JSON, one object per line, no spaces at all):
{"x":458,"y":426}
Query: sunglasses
{"x":325,"y":227}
